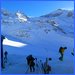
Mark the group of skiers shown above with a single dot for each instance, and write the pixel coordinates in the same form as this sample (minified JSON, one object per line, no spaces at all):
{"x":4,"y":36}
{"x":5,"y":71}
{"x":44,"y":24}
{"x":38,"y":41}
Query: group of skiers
{"x":44,"y":66}
{"x":30,"y":59}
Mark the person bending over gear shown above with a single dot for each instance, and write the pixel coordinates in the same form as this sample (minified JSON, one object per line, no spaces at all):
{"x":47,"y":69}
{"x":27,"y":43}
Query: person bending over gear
{"x":46,"y":67}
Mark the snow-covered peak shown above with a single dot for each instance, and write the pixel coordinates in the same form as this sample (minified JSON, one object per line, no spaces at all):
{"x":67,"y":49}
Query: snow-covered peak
{"x":55,"y":13}
{"x":21,"y":17}
{"x":58,"y":13}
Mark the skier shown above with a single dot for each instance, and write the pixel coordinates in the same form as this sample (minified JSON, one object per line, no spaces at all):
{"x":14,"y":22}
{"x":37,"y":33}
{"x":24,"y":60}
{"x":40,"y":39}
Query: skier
{"x":5,"y":54}
{"x":72,"y":52}
{"x":46,"y":67}
{"x":2,"y":38}
{"x":61,"y":51}
{"x":30,"y":62}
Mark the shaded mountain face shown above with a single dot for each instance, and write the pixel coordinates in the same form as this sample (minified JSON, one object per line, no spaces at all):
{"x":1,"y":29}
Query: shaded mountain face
{"x":19,"y":24}
{"x":62,"y":20}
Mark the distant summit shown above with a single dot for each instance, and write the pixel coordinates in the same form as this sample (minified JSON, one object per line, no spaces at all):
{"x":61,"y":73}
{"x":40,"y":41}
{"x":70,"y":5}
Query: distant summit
{"x":21,"y":17}
{"x":60,"y":21}
{"x":60,"y":12}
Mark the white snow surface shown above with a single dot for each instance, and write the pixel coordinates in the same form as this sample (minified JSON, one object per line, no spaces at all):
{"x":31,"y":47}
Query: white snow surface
{"x":13,"y":43}
{"x":41,"y":49}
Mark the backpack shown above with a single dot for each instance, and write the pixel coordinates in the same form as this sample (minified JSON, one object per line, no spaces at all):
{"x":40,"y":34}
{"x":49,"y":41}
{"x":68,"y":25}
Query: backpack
{"x":60,"y":49}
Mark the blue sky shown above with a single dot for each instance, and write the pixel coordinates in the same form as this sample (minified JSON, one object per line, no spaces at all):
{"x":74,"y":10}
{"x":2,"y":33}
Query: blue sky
{"x":36,"y":8}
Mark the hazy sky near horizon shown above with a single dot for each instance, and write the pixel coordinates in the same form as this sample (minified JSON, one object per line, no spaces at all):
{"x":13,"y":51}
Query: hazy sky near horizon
{"x":36,"y":8}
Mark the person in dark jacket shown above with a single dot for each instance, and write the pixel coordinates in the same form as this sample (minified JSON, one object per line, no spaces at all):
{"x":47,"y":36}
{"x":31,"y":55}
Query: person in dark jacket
{"x":2,"y":38}
{"x":46,"y":67}
{"x":72,"y":52}
{"x":5,"y":54}
{"x":31,"y":63}
{"x":61,"y":51}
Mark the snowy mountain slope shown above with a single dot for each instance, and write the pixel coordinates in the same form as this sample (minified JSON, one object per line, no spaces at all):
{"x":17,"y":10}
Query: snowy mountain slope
{"x":43,"y":35}
{"x":47,"y":43}
{"x":60,"y":12}
{"x":61,"y":24}
{"x":13,"y":43}
{"x":40,"y":29}
{"x":18,"y":67}
{"x":45,"y":48}
{"x":63,"y":19}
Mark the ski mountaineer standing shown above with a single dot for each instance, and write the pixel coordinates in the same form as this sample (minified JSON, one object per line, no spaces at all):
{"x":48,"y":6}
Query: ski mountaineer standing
{"x":31,"y":63}
{"x":61,"y":51}
{"x":46,"y":67}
